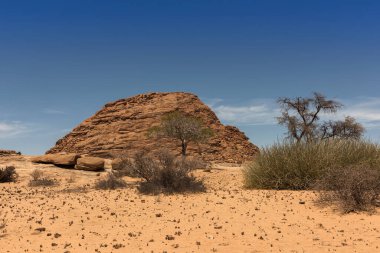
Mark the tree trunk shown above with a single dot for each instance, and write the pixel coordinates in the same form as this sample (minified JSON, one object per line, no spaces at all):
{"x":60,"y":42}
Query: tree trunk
{"x":184,"y":148}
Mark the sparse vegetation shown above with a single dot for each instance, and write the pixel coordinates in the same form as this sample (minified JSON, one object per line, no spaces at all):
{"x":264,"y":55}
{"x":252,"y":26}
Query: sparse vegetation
{"x":163,"y":172}
{"x":8,"y":174}
{"x":182,"y":127}
{"x":110,"y":182}
{"x":330,"y":153}
{"x":40,"y":179}
{"x":353,"y":188}
{"x":296,"y":166}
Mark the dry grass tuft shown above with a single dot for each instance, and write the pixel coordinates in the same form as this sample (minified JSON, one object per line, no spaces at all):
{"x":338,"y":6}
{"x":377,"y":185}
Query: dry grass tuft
{"x":39,"y":179}
{"x":110,"y":182}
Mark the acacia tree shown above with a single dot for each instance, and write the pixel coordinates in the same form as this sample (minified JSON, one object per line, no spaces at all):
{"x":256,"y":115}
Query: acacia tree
{"x":301,"y":116}
{"x":182,"y":127}
{"x":344,"y":129}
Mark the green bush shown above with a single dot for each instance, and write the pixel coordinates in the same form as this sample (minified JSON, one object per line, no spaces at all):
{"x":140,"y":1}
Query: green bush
{"x":297,"y":166}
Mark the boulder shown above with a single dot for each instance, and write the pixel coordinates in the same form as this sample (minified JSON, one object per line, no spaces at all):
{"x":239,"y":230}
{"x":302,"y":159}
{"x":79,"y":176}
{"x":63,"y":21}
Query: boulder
{"x":57,"y":159}
{"x":90,"y":164}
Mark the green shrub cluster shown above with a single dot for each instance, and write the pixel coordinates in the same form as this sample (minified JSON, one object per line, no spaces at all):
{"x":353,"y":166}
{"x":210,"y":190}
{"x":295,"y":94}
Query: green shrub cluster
{"x":297,"y":166}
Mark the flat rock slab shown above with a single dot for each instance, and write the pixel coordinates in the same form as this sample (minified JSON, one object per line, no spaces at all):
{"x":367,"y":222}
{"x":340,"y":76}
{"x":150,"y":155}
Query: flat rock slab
{"x":57,"y":159}
{"x":90,"y":164}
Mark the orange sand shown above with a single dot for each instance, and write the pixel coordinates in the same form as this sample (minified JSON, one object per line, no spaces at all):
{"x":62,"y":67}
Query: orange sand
{"x":227,"y":218}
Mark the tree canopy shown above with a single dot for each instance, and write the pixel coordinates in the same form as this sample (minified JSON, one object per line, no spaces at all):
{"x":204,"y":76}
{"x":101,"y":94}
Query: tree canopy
{"x":301,"y":116}
{"x":185,"y":128}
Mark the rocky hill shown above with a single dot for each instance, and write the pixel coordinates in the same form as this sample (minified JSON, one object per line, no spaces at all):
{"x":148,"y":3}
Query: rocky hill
{"x":5,"y":152}
{"x":122,"y":126}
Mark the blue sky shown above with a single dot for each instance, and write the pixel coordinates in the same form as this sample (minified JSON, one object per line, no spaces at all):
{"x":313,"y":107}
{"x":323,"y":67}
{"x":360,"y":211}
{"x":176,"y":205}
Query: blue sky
{"x":60,"y":61}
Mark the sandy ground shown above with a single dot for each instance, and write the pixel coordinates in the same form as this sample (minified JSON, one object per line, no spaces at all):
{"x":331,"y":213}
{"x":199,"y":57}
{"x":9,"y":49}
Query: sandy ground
{"x":74,"y":217}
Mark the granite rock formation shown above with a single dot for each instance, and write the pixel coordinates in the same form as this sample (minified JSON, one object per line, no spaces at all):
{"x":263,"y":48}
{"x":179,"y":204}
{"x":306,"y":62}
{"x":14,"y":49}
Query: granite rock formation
{"x":122,"y":126}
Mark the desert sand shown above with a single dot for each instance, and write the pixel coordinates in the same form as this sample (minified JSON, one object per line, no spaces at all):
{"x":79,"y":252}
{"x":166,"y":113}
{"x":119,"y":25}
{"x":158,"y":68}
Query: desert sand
{"x":74,"y":217}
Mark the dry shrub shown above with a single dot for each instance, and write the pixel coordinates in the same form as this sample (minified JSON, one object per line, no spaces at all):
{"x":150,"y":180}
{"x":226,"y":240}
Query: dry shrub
{"x":8,"y":174}
{"x":110,"y":182}
{"x":123,"y":165}
{"x":163,"y":172}
{"x":36,"y":174}
{"x":353,"y":188}
{"x":39,"y":179}
{"x":76,"y":189}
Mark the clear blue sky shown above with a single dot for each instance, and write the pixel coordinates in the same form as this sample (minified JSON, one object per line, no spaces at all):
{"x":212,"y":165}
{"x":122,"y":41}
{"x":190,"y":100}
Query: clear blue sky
{"x":60,"y":61}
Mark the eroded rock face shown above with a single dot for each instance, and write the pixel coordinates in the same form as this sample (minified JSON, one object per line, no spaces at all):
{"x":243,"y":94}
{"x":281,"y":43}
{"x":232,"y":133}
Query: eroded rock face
{"x":122,"y":126}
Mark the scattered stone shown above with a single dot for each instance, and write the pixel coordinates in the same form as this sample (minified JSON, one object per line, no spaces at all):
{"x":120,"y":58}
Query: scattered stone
{"x":118,"y":246}
{"x":169,"y":237}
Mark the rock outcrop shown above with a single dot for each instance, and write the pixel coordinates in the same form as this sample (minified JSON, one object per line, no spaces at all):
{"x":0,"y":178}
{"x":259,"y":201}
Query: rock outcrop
{"x":4,"y":152}
{"x":122,"y":126}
